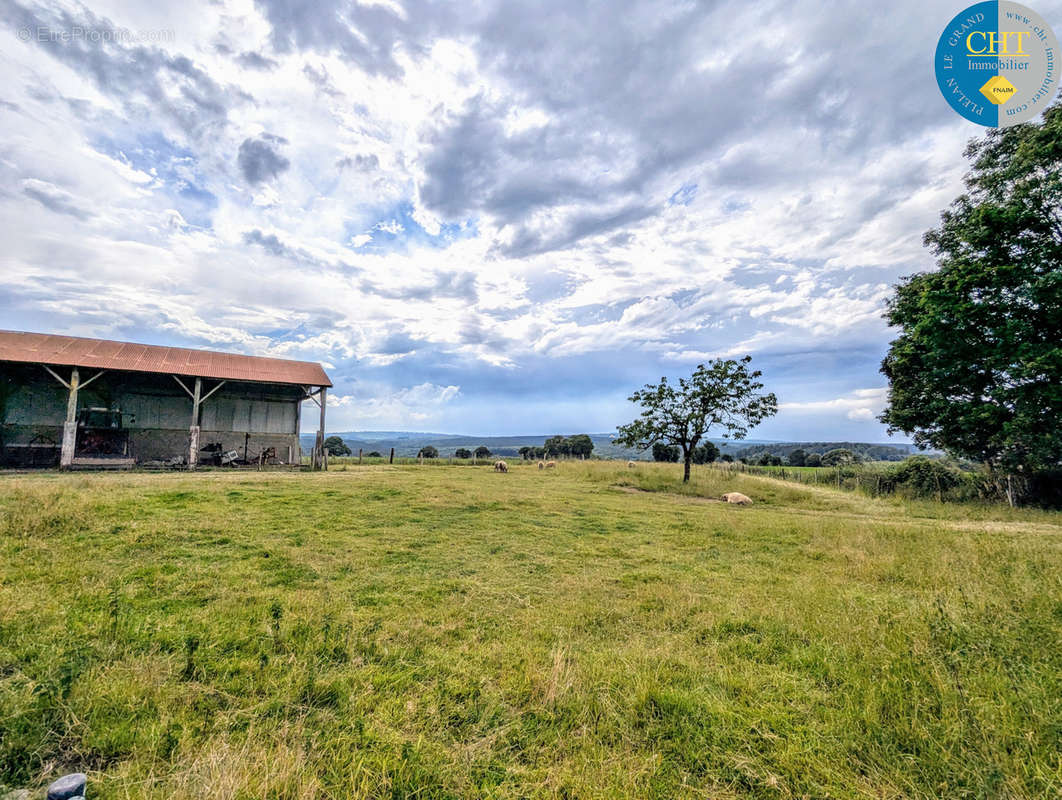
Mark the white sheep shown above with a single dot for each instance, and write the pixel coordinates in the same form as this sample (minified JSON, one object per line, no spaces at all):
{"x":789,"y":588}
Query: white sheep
{"x":551,"y":464}
{"x":738,"y":498}
{"x":630,"y":465}
{"x":501,"y":466}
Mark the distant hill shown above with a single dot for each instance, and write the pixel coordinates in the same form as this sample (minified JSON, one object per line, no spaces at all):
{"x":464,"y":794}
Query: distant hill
{"x":408,"y":443}
{"x":869,"y":451}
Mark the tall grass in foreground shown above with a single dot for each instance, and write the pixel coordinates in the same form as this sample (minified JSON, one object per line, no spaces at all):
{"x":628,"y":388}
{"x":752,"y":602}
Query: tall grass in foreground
{"x":433,"y":633}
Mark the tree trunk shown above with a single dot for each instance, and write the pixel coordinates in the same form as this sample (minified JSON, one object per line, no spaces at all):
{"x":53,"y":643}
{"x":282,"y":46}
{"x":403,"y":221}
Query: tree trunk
{"x":686,"y":470}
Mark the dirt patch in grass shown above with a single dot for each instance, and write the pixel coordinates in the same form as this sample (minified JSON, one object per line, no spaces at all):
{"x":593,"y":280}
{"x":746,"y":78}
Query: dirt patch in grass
{"x":684,"y":498}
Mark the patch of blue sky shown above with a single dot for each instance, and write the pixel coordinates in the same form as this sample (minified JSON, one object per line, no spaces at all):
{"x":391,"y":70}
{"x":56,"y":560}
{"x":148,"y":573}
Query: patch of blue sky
{"x":735,"y":205}
{"x":684,"y":195}
{"x":397,"y":230}
{"x":174,"y":166}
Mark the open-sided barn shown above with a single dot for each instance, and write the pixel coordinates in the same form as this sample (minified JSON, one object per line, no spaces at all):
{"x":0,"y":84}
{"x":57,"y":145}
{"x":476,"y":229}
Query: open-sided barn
{"x":90,"y":402}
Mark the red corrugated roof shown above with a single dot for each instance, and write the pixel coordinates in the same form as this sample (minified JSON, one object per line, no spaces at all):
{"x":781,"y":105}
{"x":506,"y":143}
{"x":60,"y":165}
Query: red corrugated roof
{"x":72,"y":351}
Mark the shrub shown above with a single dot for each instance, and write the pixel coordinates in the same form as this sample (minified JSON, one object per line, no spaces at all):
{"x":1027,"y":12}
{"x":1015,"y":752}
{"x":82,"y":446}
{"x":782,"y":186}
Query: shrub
{"x":920,"y":476}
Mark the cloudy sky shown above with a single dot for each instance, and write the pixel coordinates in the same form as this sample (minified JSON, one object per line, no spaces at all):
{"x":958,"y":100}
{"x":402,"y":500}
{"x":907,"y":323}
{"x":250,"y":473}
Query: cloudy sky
{"x":483,"y":217}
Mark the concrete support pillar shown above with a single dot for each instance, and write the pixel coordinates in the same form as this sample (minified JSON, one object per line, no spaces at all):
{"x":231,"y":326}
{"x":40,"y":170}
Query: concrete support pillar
{"x":323,"y":458}
{"x":193,"y":430}
{"x":66,"y":454}
{"x":193,"y":446}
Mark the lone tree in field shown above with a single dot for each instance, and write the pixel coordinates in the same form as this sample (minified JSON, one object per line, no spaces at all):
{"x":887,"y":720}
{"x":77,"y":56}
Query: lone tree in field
{"x":977,"y":368}
{"x":336,"y":446}
{"x":725,"y":394}
{"x":428,"y":452}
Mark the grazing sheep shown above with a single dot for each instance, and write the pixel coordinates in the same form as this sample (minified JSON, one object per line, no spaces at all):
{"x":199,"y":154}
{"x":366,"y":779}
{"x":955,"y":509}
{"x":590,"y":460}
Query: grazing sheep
{"x":541,"y":464}
{"x":551,"y":464}
{"x":738,"y":498}
{"x":501,"y":466}
{"x":630,"y":465}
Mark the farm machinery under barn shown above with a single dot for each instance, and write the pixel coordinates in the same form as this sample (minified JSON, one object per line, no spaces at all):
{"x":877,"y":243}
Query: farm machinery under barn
{"x":102,"y":439}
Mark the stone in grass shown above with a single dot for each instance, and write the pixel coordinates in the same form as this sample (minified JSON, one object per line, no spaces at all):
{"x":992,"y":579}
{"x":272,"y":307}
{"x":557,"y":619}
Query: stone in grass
{"x":68,"y":787}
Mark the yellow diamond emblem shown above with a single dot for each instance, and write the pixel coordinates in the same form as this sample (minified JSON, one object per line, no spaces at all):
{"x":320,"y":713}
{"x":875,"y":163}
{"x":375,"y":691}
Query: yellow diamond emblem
{"x":998,"y":89}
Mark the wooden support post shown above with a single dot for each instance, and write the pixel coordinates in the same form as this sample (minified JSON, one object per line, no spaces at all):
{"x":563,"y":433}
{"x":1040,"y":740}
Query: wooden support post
{"x":193,"y":431}
{"x":323,"y":463}
{"x":391,"y":460}
{"x":359,"y":456}
{"x":66,"y":454}
{"x":298,"y":439}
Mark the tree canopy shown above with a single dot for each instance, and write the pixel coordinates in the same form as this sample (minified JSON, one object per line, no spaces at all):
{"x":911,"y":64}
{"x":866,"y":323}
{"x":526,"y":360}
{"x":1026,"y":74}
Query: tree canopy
{"x":977,"y":367}
{"x":665,"y":452}
{"x":428,"y":452}
{"x":841,"y":457}
{"x":705,"y":453}
{"x":580,"y":445}
{"x":336,"y":446}
{"x":723,"y":394}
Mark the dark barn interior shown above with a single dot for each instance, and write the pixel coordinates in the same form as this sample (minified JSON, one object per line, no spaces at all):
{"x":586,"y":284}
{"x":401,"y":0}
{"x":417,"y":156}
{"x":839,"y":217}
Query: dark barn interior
{"x":91,"y":403}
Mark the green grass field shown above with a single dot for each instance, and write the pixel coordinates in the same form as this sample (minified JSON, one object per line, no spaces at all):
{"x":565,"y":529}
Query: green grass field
{"x":589,"y":632}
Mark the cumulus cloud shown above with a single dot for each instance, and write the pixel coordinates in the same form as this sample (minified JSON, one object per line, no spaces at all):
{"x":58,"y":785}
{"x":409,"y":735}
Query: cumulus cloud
{"x":254,"y":60}
{"x":410,"y":405}
{"x":544,"y":215}
{"x":862,"y":404}
{"x":259,"y":158}
{"x":52,"y":197}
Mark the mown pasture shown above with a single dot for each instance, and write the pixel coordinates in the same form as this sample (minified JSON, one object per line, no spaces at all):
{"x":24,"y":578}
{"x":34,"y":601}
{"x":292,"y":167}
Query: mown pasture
{"x":592,"y":631}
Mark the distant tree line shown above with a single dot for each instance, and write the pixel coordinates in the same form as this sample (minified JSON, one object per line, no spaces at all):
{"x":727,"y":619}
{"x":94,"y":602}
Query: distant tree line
{"x":705,"y":453}
{"x":798,"y":457}
{"x":578,"y":446}
{"x":785,"y":451}
{"x":480,"y":452}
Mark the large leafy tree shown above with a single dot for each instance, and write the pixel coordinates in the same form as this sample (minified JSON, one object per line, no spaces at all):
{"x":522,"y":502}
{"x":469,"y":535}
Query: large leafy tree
{"x":724,"y":394}
{"x":336,"y":446}
{"x":557,"y":446}
{"x":580,"y":445}
{"x":977,"y":368}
